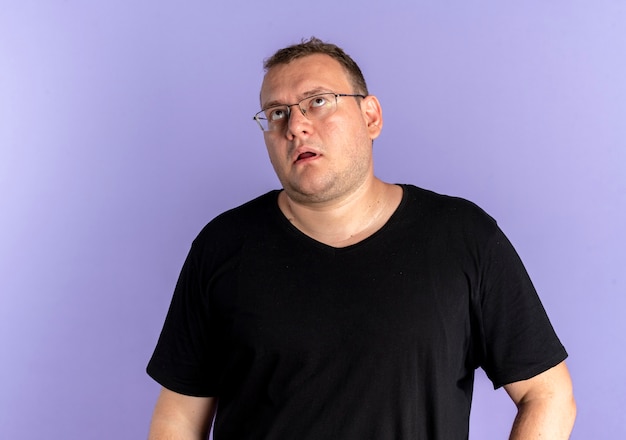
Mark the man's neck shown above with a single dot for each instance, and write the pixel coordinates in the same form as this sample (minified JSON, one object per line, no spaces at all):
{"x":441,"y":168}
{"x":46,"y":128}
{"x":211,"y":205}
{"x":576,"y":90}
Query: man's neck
{"x":341,"y":223}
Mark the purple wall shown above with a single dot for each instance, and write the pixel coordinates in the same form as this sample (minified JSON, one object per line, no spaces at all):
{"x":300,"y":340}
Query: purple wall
{"x":126,"y":125}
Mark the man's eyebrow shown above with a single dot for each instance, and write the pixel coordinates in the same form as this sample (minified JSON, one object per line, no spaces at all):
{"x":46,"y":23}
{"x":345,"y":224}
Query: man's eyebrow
{"x":271,"y":104}
{"x":315,"y":91}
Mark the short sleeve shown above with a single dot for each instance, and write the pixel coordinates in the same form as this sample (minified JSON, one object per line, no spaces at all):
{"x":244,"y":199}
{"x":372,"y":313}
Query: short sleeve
{"x":517,"y":338}
{"x":185,"y":359}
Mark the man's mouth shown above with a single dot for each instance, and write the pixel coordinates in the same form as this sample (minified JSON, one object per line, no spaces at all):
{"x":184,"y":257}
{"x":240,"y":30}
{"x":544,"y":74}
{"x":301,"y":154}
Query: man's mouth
{"x":305,"y":155}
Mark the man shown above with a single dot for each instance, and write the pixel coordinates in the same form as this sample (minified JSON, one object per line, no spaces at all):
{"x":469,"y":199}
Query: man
{"x":344,"y":307}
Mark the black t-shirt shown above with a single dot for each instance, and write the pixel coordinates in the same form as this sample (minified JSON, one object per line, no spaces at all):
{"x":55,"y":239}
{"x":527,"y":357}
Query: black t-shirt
{"x":377,"y":340}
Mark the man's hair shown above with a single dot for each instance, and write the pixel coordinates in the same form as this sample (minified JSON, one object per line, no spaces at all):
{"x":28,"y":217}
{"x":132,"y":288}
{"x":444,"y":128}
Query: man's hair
{"x":316,"y":46}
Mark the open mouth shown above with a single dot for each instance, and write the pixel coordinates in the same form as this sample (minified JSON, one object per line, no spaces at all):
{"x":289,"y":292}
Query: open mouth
{"x":305,"y":155}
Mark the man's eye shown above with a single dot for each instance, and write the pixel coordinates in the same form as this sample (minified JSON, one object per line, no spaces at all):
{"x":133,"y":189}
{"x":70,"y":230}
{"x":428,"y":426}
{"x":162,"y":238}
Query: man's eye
{"x":318,"y":101}
{"x":277,"y":114}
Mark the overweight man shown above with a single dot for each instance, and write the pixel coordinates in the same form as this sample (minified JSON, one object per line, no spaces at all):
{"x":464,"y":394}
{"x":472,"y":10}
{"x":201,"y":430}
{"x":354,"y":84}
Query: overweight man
{"x":344,"y":307}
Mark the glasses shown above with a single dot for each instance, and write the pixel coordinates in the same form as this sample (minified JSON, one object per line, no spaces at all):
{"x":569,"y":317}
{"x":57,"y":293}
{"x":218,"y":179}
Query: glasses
{"x":316,"y":107}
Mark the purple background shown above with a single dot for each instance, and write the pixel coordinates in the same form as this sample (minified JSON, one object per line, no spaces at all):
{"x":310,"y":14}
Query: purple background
{"x":126,"y":125}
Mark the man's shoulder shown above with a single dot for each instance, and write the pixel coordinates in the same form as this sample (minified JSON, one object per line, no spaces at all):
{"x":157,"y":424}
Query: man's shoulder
{"x":249,"y":210}
{"x":425,"y":198}
{"x":445,"y":210}
{"x":243,"y":219}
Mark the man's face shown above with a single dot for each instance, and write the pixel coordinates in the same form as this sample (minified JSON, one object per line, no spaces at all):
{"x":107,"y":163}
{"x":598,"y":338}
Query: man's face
{"x":320,"y":160}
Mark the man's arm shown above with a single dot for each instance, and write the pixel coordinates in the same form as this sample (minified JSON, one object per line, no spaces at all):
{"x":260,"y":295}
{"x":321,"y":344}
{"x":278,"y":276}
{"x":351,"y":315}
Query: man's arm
{"x":180,"y":417}
{"x":545,"y":405}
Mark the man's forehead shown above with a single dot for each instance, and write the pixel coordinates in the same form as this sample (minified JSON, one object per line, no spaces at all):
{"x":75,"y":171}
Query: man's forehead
{"x":303,"y":77}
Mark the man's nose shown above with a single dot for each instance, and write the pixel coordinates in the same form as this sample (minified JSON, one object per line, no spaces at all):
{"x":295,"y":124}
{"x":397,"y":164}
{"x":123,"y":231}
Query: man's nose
{"x":297,"y":119}
{"x":297,"y":116}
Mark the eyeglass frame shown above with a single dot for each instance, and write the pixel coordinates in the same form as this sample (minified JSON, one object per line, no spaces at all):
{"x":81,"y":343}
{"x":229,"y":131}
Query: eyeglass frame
{"x":303,"y":111}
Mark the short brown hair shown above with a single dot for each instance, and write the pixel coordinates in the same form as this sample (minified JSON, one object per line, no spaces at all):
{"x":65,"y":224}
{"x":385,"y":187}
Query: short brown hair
{"x":316,"y":46}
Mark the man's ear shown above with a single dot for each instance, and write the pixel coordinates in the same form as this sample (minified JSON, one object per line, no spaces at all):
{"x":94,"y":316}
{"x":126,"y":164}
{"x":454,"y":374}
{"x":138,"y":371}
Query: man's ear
{"x":373,"y":114}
